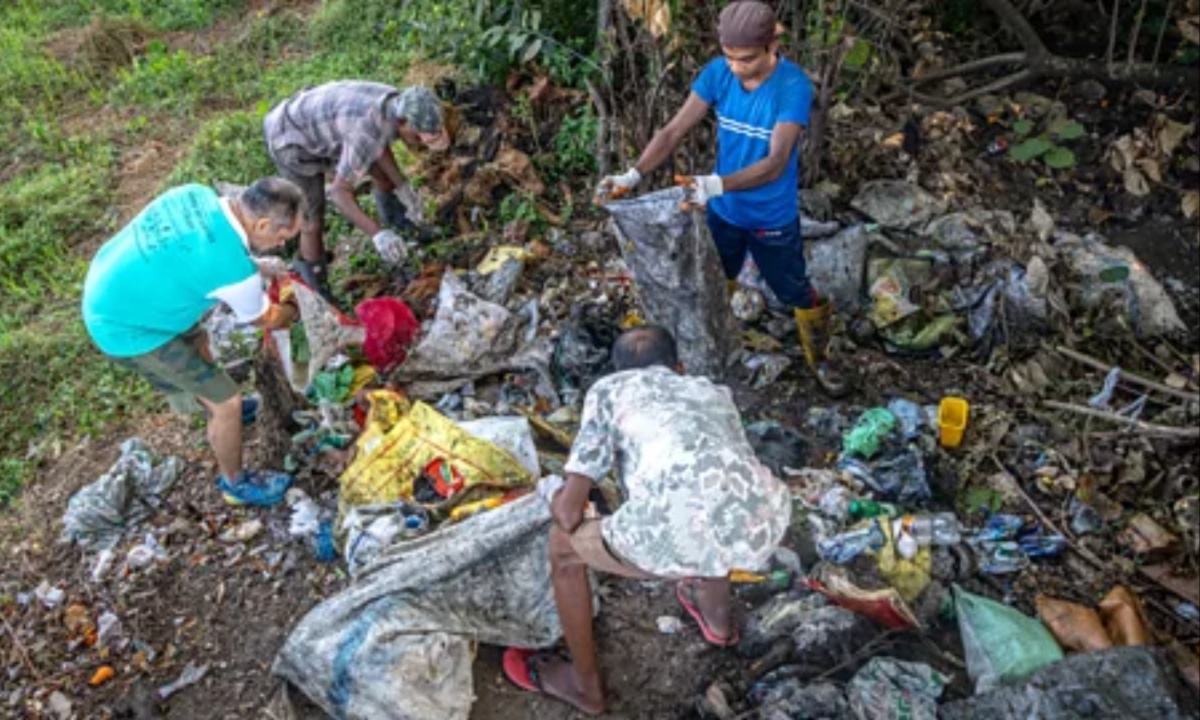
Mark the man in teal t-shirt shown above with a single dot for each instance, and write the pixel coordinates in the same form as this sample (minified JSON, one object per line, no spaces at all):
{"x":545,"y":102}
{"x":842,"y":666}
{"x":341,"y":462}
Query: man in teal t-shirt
{"x":150,"y":285}
{"x":762,"y":102}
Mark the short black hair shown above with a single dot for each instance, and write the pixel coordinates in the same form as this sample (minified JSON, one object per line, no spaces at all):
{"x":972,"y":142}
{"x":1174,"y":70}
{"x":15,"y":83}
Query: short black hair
{"x":644,"y":346}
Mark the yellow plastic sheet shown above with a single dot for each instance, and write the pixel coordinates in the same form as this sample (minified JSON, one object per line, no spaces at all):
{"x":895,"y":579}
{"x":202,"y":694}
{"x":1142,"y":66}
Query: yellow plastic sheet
{"x":909,"y":577}
{"x":401,"y":439}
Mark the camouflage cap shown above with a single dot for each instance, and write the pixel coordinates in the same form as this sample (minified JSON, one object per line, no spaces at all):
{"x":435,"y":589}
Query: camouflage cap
{"x":421,"y":108}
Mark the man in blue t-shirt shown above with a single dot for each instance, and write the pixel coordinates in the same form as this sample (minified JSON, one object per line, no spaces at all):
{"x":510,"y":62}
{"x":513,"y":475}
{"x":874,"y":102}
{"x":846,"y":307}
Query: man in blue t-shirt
{"x":149,"y":286}
{"x":762,"y":103}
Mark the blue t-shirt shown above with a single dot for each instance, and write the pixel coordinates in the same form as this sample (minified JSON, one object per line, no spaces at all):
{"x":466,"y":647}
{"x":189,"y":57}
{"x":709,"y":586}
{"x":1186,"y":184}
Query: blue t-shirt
{"x":745,"y":121}
{"x":155,"y":278}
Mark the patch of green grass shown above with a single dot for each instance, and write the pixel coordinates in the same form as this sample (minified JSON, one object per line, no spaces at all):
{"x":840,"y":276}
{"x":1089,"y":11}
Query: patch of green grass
{"x":57,"y":385}
{"x":229,"y":148}
{"x":34,"y":16}
{"x":43,"y":214}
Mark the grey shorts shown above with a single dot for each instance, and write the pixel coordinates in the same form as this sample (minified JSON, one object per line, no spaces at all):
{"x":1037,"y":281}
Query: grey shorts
{"x":181,"y":368}
{"x":308,"y":172}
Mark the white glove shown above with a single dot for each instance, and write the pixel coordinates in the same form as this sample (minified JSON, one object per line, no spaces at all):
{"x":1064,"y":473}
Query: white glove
{"x":703,"y":187}
{"x":391,"y":247}
{"x":615,"y":186}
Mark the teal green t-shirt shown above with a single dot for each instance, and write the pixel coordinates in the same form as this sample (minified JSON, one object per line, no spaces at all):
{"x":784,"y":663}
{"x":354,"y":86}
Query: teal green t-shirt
{"x":156,"y":277}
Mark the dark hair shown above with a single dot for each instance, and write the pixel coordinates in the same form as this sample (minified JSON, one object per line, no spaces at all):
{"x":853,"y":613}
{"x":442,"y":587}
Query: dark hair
{"x":644,"y":346}
{"x":276,"y":199}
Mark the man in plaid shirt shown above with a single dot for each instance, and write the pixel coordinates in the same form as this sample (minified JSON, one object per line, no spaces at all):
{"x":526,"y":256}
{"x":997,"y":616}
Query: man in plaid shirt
{"x":348,"y":127}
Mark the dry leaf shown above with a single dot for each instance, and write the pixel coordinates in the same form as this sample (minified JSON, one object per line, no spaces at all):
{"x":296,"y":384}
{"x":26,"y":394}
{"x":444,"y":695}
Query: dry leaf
{"x":894,"y":141}
{"x":1190,"y":28}
{"x":1190,"y":204}
{"x":1175,"y":380}
{"x":1041,"y":221}
{"x":1150,"y":169}
{"x":655,"y":13}
{"x":1122,"y":154}
{"x":1170,"y":134}
{"x":1135,"y":183}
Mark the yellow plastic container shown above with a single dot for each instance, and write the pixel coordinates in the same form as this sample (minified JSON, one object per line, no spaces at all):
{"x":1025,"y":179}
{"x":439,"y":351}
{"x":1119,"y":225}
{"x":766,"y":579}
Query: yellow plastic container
{"x":952,"y":420}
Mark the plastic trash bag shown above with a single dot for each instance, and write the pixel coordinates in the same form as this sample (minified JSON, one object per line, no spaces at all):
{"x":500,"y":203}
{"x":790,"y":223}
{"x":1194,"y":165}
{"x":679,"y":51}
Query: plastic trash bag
{"x":837,"y":266}
{"x":896,"y":204}
{"x":391,"y":327}
{"x":1001,"y":644}
{"x":1113,"y":277}
{"x":468,"y":339}
{"x":1122,"y":683}
{"x":316,"y":339}
{"x":679,"y":277}
{"x":890,"y":689}
{"x":513,"y":435}
{"x":397,"y":644}
{"x":129,"y":493}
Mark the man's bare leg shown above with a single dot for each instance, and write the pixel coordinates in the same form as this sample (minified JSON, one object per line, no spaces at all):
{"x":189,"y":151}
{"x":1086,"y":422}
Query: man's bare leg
{"x":225,"y":434}
{"x":312,"y":245}
{"x":576,"y":682}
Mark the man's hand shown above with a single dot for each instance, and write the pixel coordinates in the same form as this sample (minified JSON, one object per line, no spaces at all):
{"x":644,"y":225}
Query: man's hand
{"x":567,"y":506}
{"x":701,"y":188}
{"x":614,"y":187}
{"x":391,"y":247}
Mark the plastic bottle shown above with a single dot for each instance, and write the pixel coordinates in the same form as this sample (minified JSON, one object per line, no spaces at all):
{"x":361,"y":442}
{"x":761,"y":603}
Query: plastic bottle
{"x":861,"y":509}
{"x":841,"y":549}
{"x":935,"y":529}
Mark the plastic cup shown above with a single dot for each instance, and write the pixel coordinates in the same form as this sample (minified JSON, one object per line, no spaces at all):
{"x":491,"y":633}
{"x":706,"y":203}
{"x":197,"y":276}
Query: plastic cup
{"x":952,"y":420}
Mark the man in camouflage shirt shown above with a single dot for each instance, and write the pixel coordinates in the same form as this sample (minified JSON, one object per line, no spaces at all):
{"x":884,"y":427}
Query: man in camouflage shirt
{"x":348,"y":128}
{"x":698,"y":505}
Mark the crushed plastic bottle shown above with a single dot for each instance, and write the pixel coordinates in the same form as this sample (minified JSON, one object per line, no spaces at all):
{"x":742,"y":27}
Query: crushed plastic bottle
{"x":935,"y":529}
{"x":841,"y":549}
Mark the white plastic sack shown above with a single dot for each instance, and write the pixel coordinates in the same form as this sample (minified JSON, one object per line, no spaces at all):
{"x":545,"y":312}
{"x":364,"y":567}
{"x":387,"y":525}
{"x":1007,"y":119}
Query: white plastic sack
{"x":679,"y":278}
{"x":511,"y":434}
{"x":396,"y":644}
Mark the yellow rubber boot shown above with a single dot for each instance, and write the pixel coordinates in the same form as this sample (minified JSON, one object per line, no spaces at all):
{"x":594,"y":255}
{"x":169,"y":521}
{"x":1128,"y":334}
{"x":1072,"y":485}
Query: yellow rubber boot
{"x":813,"y":324}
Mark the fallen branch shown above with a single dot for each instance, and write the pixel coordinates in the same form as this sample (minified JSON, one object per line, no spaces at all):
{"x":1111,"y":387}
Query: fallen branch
{"x":21,"y":649}
{"x":1038,"y":62}
{"x":1139,"y":426}
{"x":1126,"y":375}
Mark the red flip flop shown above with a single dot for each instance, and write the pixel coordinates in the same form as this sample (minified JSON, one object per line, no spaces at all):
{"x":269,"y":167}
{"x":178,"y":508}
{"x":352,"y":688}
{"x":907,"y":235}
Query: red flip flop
{"x":709,"y":635}
{"x":516,"y":669}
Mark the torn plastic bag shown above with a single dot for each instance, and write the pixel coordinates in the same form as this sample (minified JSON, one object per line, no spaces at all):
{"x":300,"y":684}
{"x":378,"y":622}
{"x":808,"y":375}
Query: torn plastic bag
{"x":890,"y":689}
{"x":1113,"y":277}
{"x":1001,"y":645}
{"x":309,"y":346}
{"x":1022,"y":292}
{"x":398,"y":643}
{"x":390,"y":329}
{"x":896,"y":204}
{"x":129,"y":493}
{"x":403,"y":441}
{"x":780,"y":695}
{"x":469,"y":338}
{"x":1122,"y":683}
{"x":837,"y":266}
{"x":679,"y":278}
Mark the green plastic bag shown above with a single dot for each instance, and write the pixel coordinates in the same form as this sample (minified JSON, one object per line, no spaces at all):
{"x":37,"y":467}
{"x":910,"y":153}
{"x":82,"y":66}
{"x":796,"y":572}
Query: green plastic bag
{"x":1001,"y":644}
{"x":872,"y":426}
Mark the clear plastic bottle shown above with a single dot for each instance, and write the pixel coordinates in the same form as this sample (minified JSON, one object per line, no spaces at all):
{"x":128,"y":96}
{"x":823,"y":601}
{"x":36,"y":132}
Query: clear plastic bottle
{"x":935,"y":529}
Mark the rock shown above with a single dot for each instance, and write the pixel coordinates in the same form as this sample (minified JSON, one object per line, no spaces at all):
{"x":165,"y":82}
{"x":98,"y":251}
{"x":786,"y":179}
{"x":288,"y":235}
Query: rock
{"x":1122,"y":683}
{"x":60,"y":706}
{"x":896,"y":204}
{"x":816,"y":204}
{"x":1091,"y":90}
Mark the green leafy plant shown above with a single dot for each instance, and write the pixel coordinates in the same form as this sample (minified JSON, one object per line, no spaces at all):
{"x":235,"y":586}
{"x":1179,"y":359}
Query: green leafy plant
{"x":1045,"y":146}
{"x":574,"y":145}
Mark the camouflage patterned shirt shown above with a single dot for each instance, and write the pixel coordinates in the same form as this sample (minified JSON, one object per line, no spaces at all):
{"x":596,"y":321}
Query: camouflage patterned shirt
{"x":698,"y":502}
